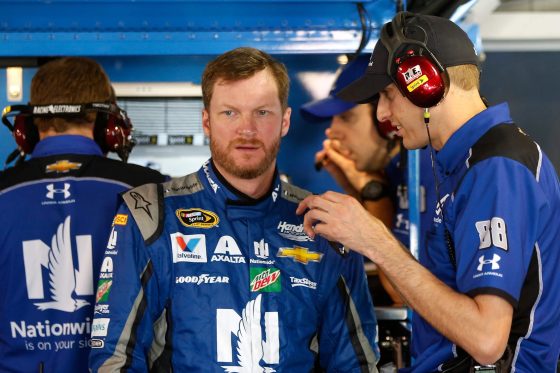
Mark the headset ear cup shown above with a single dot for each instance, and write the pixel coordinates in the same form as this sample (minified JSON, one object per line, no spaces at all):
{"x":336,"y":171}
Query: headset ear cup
{"x":25,"y":133}
{"x":99,"y":130}
{"x":420,"y":80}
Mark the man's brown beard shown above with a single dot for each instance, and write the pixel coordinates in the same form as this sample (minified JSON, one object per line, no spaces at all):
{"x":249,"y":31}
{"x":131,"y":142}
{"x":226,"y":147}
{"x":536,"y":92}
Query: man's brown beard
{"x":221,"y":158}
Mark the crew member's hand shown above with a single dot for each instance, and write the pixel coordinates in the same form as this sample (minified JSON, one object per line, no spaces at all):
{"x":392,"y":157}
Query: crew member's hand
{"x":341,"y":218}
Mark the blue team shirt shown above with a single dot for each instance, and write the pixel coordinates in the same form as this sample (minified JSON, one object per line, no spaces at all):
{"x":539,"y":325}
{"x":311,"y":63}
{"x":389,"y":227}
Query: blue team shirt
{"x":504,"y":219}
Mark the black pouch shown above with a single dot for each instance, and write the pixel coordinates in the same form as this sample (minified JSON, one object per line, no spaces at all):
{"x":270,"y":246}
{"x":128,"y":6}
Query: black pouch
{"x":464,"y":363}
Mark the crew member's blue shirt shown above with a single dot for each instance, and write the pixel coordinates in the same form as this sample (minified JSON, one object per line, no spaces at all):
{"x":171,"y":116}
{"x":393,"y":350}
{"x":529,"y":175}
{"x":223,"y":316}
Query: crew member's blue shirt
{"x":504,"y":219}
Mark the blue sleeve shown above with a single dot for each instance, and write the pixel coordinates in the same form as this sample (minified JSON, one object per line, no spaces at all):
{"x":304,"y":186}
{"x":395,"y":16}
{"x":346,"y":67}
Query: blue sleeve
{"x":128,"y":301}
{"x":348,"y":331}
{"x":497,"y":210}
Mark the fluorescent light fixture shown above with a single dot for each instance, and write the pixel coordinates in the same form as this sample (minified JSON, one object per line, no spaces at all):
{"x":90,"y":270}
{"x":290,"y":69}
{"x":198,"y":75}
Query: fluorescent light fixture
{"x":14,"y":83}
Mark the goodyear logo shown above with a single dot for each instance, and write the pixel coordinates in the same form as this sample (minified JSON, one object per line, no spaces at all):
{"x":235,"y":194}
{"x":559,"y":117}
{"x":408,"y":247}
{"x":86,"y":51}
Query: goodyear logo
{"x":120,"y":219}
{"x":63,"y":166}
{"x":197,"y":218}
{"x":417,"y":83}
{"x":299,"y":254}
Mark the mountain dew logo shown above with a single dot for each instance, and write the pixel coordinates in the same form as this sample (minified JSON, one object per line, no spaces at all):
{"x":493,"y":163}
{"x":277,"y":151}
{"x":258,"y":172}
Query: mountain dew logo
{"x":265,"y":280}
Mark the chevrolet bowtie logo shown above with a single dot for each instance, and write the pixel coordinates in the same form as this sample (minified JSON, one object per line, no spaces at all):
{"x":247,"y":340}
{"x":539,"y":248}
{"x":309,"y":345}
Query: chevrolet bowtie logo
{"x":63,"y":166}
{"x":299,"y":254}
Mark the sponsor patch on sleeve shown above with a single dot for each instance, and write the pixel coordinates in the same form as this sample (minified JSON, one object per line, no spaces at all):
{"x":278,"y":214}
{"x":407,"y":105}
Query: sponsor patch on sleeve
{"x":120,"y":219}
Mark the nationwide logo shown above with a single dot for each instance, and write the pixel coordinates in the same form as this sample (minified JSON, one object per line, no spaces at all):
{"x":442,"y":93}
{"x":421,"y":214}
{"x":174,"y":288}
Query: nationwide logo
{"x":62,"y":166}
{"x":439,"y":210}
{"x":197,"y":218}
{"x":120,"y":219}
{"x":299,"y":254}
{"x":292,"y":232}
{"x":112,"y":243}
{"x":103,"y":291}
{"x":67,"y":281}
{"x":265,"y":280}
{"x":188,"y":248}
{"x":258,"y":342}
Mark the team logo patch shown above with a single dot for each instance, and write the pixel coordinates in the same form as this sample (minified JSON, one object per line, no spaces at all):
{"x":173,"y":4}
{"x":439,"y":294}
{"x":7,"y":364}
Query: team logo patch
{"x":103,"y":291}
{"x":100,"y":327}
{"x":120,"y":219}
{"x":188,"y":248}
{"x":62,"y":166}
{"x":265,"y":280}
{"x":197,"y":218}
{"x":299,"y":254}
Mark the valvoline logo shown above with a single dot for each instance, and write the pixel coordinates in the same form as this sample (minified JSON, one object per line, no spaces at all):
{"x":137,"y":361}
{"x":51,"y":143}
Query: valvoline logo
{"x":197,"y":218}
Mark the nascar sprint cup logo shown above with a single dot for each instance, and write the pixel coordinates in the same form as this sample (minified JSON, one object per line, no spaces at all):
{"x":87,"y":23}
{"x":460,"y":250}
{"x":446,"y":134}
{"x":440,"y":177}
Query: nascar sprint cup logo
{"x":197,"y":218}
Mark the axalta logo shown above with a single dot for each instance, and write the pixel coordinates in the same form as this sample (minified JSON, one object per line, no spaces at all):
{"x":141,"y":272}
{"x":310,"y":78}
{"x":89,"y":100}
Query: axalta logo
{"x":299,"y":254}
{"x":203,"y":278}
{"x":293,"y":232}
{"x":257,"y":347}
{"x":265,"y":280}
{"x":188,"y":248}
{"x":197,"y":218}
{"x":227,"y":251}
{"x":305,"y":282}
{"x":106,"y":271}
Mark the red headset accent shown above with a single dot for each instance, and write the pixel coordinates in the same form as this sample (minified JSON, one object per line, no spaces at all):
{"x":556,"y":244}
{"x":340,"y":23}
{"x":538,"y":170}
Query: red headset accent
{"x":411,"y":65}
{"x":112,"y":130}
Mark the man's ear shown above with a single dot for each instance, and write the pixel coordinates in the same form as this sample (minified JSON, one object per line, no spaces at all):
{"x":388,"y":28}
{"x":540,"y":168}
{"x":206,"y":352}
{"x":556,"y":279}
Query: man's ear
{"x":286,"y":121}
{"x":206,"y":122}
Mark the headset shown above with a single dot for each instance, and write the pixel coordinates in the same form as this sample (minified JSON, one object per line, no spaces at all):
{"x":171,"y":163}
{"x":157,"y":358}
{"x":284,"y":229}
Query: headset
{"x":112,"y":129}
{"x":414,"y":69}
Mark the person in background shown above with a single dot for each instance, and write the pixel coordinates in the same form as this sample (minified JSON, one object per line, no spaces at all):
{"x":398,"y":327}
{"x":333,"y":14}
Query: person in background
{"x":365,"y":158}
{"x":485,"y":290}
{"x":56,"y":215}
{"x":214,"y":273}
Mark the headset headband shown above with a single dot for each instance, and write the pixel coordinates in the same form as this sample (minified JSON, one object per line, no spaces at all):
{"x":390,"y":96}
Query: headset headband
{"x":394,"y":43}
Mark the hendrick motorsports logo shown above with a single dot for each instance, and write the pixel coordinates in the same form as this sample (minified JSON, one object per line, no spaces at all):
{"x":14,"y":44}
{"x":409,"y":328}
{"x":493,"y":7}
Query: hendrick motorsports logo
{"x":197,"y":218}
{"x":293,"y":232}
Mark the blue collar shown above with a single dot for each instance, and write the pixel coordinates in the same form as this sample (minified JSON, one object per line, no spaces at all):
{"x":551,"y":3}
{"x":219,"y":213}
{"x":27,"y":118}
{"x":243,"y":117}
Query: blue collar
{"x":449,"y":157}
{"x":66,"y":144}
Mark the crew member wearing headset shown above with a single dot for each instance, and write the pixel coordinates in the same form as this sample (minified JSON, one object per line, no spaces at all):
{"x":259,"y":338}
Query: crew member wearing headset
{"x":57,"y":209}
{"x":485,"y":289}
{"x":365,"y":158}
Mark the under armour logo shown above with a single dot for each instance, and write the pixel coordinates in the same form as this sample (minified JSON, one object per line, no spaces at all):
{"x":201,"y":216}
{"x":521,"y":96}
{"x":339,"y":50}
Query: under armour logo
{"x":51,"y":190}
{"x":494,"y":261}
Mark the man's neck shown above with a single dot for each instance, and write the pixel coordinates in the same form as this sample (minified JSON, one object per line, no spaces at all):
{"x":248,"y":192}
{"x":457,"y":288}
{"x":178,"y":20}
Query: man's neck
{"x":86,"y":131}
{"x":254,"y":188}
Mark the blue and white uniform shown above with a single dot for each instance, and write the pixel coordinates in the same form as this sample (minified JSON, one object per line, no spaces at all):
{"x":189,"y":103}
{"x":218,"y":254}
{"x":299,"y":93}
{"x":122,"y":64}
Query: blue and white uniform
{"x":501,"y":204}
{"x":56,"y":217}
{"x":205,"y":279}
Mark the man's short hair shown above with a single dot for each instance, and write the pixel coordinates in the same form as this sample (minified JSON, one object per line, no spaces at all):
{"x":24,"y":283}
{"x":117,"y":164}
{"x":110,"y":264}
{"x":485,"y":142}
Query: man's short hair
{"x":69,"y":80}
{"x":243,"y":63}
{"x":466,"y":77}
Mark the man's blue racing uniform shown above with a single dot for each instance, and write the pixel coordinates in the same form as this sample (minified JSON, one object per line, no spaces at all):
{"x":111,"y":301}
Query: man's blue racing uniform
{"x":203,"y":278}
